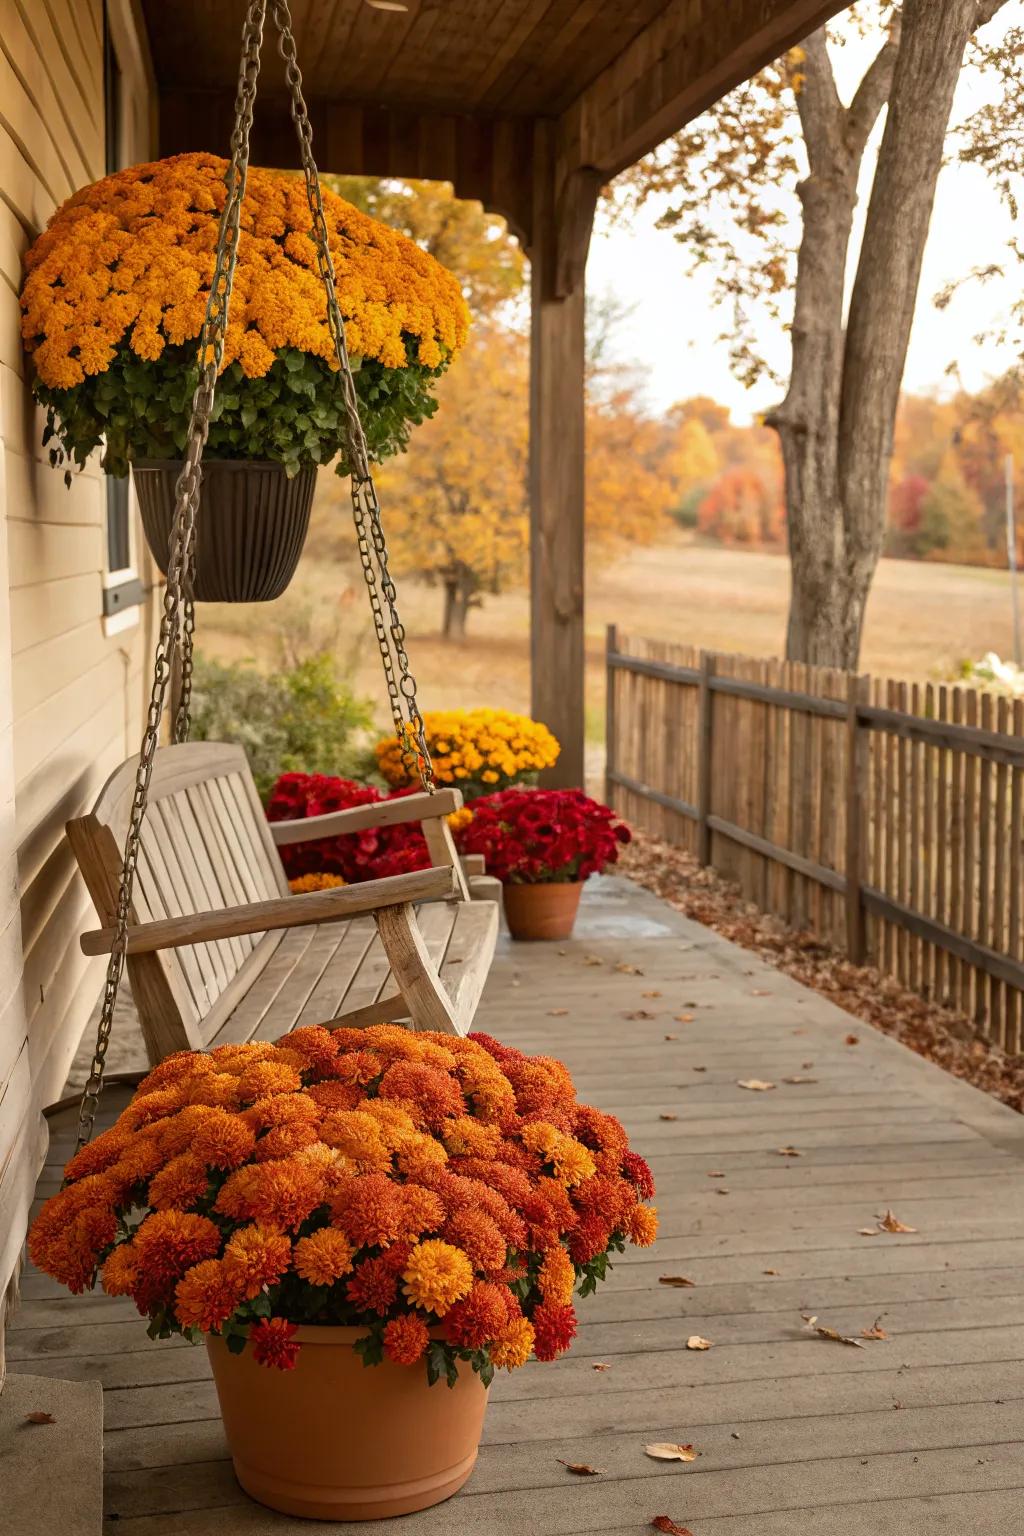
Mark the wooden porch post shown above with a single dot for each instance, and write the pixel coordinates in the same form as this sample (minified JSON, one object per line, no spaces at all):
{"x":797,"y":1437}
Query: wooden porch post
{"x":562,"y":221}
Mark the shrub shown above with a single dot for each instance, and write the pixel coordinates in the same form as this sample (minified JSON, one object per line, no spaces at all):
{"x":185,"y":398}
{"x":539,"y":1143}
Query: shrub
{"x":303,"y":717}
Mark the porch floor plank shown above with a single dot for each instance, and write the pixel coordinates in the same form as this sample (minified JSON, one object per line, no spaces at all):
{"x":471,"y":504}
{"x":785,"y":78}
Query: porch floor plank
{"x":797,"y":1435}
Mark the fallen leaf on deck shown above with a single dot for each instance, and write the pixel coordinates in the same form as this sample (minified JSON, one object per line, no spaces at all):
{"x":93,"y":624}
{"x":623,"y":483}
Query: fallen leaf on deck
{"x":755,"y":1084}
{"x":788,"y":1152}
{"x":580,"y":1468}
{"x":557,"y":1013}
{"x":807,"y":1065}
{"x":890,"y":1223}
{"x":799,"y":1079}
{"x":39,"y":1417}
{"x":600,"y":1365}
{"x":696,"y":1342}
{"x":829,"y":1333}
{"x":698,"y":1069}
{"x":868,"y":1231}
{"x":683,"y":1018}
{"x":664,"y":1450}
{"x":668,"y":1525}
{"x":592,"y":960}
{"x":625,"y":969}
{"x":769,"y":1271}
{"x":876,"y":1331}
{"x":715,"y":1173}
{"x":668,"y":1117}
{"x":650,"y":994}
{"x":671,"y":1037}
{"x":761,"y":992}
{"x":640,"y":1013}
{"x":853,"y":1039}
{"x":675,"y":1280}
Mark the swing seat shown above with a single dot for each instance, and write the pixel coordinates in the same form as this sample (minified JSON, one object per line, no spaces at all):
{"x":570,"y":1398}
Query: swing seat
{"x":220,"y":951}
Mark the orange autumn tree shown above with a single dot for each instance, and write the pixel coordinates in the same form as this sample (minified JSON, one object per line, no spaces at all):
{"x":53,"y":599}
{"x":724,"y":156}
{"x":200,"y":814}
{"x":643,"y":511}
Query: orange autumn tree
{"x":456,"y":509}
{"x":457,"y":505}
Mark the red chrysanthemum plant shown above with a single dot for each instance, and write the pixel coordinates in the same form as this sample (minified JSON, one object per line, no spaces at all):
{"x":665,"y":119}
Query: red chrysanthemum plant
{"x":543,"y":836}
{"x":449,"y":1196}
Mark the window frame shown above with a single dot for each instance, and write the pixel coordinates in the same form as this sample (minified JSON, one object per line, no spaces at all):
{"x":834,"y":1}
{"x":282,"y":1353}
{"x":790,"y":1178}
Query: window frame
{"x":123,"y":589}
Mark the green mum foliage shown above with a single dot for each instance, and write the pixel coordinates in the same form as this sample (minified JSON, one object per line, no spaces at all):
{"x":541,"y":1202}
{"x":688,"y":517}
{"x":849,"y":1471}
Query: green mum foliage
{"x":292,"y":416}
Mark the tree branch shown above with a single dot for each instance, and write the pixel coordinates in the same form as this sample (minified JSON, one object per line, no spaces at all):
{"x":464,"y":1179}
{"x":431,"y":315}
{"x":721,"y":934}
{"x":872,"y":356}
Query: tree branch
{"x":818,"y":102}
{"x":986,"y":10}
{"x":873,"y":92}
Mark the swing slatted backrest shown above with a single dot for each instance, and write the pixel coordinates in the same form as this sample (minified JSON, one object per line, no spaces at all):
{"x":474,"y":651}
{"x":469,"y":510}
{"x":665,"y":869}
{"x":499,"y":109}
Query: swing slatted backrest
{"x":206,"y":846}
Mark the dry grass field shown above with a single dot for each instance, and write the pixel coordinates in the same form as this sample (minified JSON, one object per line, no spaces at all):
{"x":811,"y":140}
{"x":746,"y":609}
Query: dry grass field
{"x":923,"y":620}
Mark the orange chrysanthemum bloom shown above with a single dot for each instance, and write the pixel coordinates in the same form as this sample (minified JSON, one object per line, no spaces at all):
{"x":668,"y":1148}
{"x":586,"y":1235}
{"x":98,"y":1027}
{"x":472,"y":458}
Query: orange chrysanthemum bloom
{"x":323,"y":1257}
{"x":557,"y":1277}
{"x":405,"y":1339}
{"x":642,"y":1225}
{"x":179,"y":1184}
{"x":255,"y":1257}
{"x":514,"y":1346}
{"x":479,"y":1238}
{"x":479,"y":1318}
{"x":436,"y":1275}
{"x":368,"y":1209}
{"x":281,"y":1193}
{"x":206,"y":1297}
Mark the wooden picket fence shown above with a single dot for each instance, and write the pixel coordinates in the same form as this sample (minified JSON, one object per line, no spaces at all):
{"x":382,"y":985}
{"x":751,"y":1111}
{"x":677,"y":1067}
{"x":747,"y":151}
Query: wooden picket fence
{"x":885,"y":817}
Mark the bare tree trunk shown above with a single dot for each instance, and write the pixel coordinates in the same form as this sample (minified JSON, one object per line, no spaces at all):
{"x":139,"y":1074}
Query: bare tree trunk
{"x":836,"y":423}
{"x":458,"y":598}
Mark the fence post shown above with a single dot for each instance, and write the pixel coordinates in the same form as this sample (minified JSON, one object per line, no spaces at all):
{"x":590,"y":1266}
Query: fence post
{"x":611,"y":645}
{"x":705,"y":723}
{"x":856,"y":825}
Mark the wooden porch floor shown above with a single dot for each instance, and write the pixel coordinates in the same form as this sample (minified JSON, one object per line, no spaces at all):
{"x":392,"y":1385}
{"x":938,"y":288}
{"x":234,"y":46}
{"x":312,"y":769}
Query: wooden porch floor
{"x":797,"y":1435}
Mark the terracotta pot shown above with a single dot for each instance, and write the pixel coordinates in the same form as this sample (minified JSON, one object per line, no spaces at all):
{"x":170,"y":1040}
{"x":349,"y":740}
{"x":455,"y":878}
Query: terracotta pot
{"x":336,"y":1440}
{"x":545,"y":911}
{"x":250,"y":528}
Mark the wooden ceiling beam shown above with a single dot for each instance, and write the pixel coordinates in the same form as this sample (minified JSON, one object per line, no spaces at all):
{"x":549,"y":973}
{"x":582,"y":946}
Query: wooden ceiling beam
{"x":485,"y":158}
{"x":692,"y":53}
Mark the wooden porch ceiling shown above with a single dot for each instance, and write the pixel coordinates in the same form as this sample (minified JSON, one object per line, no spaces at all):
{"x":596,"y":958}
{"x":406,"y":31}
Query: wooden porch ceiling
{"x":451,"y":89}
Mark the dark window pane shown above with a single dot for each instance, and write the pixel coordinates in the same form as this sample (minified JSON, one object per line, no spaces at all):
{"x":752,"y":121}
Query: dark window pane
{"x":119,"y":549}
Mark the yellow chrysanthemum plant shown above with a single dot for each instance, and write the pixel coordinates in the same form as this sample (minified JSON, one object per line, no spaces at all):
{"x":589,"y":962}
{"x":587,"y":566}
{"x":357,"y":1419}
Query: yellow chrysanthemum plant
{"x":113,"y":302}
{"x":448,"y":1195}
{"x":476,"y":750}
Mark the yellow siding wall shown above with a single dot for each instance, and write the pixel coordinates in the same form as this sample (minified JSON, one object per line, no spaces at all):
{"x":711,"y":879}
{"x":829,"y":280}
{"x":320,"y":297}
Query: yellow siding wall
{"x":71,"y":695}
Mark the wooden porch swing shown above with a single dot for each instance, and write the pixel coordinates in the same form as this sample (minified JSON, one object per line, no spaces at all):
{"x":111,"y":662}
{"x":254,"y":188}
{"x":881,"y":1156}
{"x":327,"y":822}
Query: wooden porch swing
{"x":178,"y":857}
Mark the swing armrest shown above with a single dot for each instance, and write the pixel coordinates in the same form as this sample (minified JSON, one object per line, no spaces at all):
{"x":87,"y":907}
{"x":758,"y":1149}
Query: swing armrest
{"x":364,"y":818}
{"x":331,"y":906}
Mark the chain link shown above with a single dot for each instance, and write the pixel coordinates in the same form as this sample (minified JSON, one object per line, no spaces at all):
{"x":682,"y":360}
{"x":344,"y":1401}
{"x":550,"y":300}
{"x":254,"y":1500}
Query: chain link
{"x":373,"y":555}
{"x":177,"y":624}
{"x":177,"y":621}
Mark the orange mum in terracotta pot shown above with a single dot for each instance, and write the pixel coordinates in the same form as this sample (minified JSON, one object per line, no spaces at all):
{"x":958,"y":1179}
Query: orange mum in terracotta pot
{"x":416,"y":1202}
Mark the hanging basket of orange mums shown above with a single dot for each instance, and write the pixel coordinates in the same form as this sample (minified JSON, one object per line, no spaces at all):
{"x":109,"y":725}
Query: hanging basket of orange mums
{"x":420,"y":1203}
{"x":112,"y":307}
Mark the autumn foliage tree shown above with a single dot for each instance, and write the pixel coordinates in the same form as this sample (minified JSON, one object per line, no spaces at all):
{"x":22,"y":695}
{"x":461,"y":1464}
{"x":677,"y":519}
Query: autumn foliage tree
{"x":456,"y":500}
{"x":786,"y":128}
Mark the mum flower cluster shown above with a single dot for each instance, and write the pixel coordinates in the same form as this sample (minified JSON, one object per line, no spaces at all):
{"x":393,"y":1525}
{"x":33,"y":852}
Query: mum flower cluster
{"x":535,"y":836}
{"x":477,"y":750}
{"x":116,"y":290}
{"x":370,"y":854}
{"x":448,"y":1195}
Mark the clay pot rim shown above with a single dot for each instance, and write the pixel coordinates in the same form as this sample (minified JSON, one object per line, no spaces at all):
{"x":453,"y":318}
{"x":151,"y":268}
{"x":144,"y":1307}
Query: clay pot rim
{"x":331,"y":1334}
{"x":534,"y":885}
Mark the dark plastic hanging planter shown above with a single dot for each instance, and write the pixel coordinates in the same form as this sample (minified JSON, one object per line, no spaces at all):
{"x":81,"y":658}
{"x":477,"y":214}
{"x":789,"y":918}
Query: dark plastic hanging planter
{"x":250,"y":530}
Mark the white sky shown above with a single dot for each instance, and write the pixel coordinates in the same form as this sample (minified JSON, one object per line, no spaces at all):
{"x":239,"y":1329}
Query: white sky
{"x":673,"y":329}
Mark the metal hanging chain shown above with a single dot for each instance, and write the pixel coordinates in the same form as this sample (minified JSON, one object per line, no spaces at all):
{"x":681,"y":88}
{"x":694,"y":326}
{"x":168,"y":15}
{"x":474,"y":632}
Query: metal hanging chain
{"x":366,"y":513}
{"x":177,"y":619}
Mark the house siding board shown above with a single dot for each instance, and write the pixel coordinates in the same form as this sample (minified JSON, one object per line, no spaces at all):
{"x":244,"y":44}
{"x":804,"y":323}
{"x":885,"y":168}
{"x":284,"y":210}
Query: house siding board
{"x":71,"y":698}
